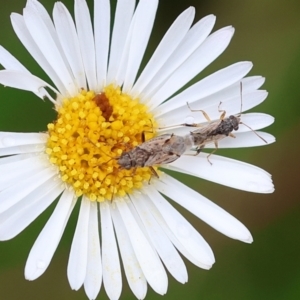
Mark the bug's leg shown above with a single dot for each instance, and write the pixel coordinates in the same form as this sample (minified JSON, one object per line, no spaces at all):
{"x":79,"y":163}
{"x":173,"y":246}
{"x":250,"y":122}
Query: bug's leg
{"x":112,"y":195}
{"x":104,"y":180}
{"x":180,"y":125}
{"x":199,"y":149}
{"x":221,"y":111}
{"x":144,"y":135}
{"x":99,"y":148}
{"x":147,"y":131}
{"x":153,"y":173}
{"x":193,"y":124}
{"x":203,"y":112}
{"x":216,"y":145}
{"x":231,"y":135}
{"x":133,"y":173}
{"x":128,"y":176}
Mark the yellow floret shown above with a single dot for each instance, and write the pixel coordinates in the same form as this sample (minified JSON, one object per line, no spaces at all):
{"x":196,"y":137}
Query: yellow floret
{"x":87,"y":138}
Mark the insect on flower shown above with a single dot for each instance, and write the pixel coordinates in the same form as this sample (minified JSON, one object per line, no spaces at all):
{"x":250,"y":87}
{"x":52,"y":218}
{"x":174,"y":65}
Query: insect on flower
{"x":214,"y":131}
{"x":167,"y":148}
{"x":162,"y":149}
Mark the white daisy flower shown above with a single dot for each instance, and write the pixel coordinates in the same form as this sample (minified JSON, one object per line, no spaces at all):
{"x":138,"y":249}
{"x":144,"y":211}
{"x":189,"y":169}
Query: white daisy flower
{"x":103,"y":107}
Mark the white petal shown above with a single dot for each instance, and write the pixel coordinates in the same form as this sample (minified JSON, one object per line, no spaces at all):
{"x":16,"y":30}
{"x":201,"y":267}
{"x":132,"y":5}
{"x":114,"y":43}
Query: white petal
{"x":10,"y":139}
{"x":196,"y":260}
{"x":46,"y":19}
{"x":16,"y":171}
{"x":245,"y":139}
{"x":208,"y":51}
{"x":137,"y":218}
{"x":161,"y":242}
{"x":134,"y":274}
{"x":18,"y":217}
{"x":9,"y":62}
{"x":28,"y":42}
{"x":45,"y":245}
{"x":15,"y":158}
{"x":204,"y":209}
{"x":12,"y":164}
{"x":249,"y":85}
{"x":207,"y":86}
{"x":78,"y":255}
{"x":101,"y":32}
{"x":68,"y":38}
{"x":231,"y":106}
{"x":44,"y":40}
{"x":21,"y":189}
{"x":192,"y":40}
{"x":120,"y":74}
{"x":112,"y":279}
{"x":164,"y":50}
{"x":182,"y":229}
{"x":24,"y":81}
{"x":147,"y":258}
{"x":123,"y":16}
{"x":225,"y":171}
{"x":93,"y":279}
{"x":142,"y":24}
{"x":35,"y":148}
{"x":86,"y":41}
{"x":255,"y":121}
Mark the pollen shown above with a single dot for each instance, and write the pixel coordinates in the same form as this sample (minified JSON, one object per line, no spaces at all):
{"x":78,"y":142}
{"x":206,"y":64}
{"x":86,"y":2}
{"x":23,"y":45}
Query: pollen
{"x":90,"y":133}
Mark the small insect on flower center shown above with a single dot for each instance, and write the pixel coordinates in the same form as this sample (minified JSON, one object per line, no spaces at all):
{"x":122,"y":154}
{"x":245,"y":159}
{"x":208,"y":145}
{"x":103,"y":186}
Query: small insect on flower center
{"x":89,"y":135}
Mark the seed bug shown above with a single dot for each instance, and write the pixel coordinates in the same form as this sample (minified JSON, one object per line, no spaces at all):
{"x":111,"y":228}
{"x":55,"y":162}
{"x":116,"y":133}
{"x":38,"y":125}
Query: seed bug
{"x":214,"y":131}
{"x":162,"y":149}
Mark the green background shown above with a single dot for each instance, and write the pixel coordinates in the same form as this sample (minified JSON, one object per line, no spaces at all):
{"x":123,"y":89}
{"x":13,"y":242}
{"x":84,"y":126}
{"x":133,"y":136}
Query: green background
{"x":267,"y":33}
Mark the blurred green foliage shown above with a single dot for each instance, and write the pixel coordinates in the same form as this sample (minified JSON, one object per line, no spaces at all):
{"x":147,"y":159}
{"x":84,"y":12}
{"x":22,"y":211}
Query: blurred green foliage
{"x":267,"y":33}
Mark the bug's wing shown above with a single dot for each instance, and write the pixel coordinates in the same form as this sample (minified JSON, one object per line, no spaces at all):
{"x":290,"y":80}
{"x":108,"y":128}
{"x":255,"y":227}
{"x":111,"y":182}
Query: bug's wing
{"x":155,"y":144}
{"x":205,"y":135}
{"x":207,"y":129}
{"x":176,"y":145}
{"x":212,"y":139}
{"x":160,"y":158}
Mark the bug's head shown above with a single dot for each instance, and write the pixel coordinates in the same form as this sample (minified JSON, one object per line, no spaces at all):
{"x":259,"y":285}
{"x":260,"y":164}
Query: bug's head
{"x":235,"y":121}
{"x":125,"y":161}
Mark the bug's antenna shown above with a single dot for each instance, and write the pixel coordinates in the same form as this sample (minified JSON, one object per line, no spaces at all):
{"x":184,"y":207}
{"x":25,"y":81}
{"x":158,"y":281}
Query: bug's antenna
{"x":241,"y":94}
{"x":99,"y":148}
{"x":254,"y":132}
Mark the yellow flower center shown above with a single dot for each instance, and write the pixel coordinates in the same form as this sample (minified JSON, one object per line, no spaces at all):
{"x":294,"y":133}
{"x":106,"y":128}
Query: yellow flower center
{"x":89,"y":135}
